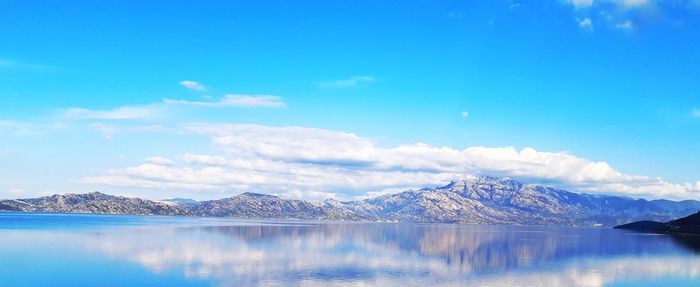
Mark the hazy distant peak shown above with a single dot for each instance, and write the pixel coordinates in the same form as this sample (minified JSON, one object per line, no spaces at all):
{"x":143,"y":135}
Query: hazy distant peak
{"x":181,"y":200}
{"x":257,"y":195}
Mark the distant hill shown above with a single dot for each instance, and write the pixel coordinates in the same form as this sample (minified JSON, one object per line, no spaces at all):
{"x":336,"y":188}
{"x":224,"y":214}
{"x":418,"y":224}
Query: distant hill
{"x":644,"y":226}
{"x":482,"y":200}
{"x":686,"y":225}
{"x":93,"y":202}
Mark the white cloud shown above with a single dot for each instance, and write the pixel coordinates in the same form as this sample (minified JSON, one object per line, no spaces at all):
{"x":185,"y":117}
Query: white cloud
{"x":695,"y":113}
{"x":252,"y":101}
{"x":585,"y":23}
{"x":391,"y":190}
{"x":305,"y":161}
{"x":16,"y":191}
{"x":159,"y":110}
{"x":347,"y":83}
{"x":7,"y":63}
{"x":289,"y":143}
{"x":465,"y":114}
{"x":625,"y":25}
{"x":157,"y":160}
{"x":21,"y":128}
{"x":581,"y":3}
{"x":192,"y":85}
{"x":619,"y":3}
{"x":623,"y":14}
{"x":120,"y":113}
{"x":15,"y":65}
{"x":693,"y":188}
{"x":307,"y":194}
{"x":109,"y":131}
{"x":635,"y":3}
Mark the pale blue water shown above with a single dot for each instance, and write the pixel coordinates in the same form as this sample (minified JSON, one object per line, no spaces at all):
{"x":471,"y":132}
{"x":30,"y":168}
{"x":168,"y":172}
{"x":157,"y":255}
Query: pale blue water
{"x":104,"y":250}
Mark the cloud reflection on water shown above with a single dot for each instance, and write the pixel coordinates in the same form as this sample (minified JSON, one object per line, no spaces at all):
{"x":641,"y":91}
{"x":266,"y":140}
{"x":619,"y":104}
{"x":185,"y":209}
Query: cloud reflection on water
{"x":389,"y":254}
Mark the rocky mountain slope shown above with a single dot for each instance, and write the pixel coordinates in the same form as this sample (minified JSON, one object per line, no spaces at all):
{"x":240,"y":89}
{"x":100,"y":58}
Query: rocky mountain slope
{"x":483,"y":200}
{"x":252,"y":205}
{"x":491,"y":200}
{"x":94,"y":202}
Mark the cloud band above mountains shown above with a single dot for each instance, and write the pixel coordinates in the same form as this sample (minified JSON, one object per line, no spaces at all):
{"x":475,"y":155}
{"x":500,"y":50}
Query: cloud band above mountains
{"x":317,"y":163}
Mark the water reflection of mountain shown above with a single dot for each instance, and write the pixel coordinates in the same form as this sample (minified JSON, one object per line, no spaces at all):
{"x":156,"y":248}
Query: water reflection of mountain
{"x":349,"y":252}
{"x":689,"y":241}
{"x":470,"y":248}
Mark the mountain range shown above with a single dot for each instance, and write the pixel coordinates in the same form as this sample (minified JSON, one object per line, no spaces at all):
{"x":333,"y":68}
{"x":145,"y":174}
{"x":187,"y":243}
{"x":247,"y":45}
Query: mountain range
{"x":478,"y":200}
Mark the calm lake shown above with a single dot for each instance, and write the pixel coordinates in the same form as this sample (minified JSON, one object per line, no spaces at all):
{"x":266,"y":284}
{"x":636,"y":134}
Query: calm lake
{"x":105,"y":250}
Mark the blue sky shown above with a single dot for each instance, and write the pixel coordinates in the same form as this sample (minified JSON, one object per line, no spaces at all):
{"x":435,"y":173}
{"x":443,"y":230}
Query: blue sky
{"x":346,"y":99}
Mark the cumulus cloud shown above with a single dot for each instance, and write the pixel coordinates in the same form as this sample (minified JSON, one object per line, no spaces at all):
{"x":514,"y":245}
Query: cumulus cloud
{"x":693,"y":187}
{"x":297,"y":144}
{"x":307,"y":162}
{"x":192,"y":85}
{"x":347,"y":83}
{"x":262,"y":101}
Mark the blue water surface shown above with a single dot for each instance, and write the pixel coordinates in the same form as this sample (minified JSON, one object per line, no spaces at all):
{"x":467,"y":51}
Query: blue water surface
{"x":121,"y":250}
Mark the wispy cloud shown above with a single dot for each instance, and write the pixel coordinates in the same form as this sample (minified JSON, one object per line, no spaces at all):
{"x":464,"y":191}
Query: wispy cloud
{"x":12,"y":64}
{"x":634,"y":3}
{"x":108,"y":131}
{"x":158,"y":160}
{"x":261,"y":101}
{"x":625,"y":25}
{"x":192,"y":85}
{"x":695,"y":113}
{"x":161,"y":109}
{"x":465,"y":114}
{"x":584,"y":4}
{"x":581,"y":3}
{"x":16,"y":192}
{"x":20,"y":128}
{"x":347,"y":83}
{"x":120,"y":113}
